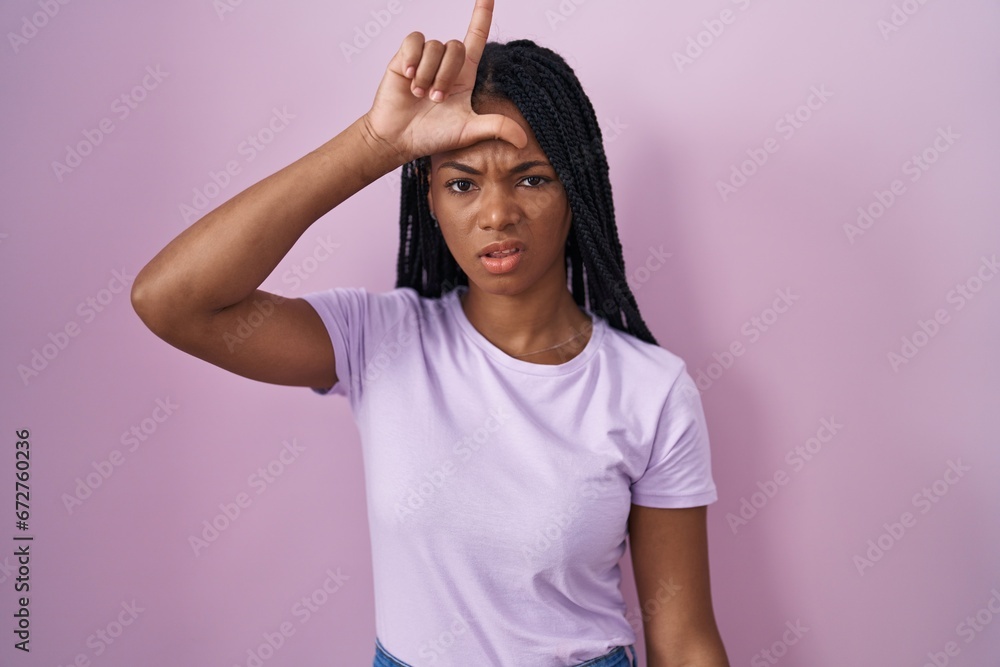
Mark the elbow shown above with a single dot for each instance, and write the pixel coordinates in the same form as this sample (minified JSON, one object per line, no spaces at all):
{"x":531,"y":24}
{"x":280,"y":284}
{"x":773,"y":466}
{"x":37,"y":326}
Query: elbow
{"x":140,"y":298}
{"x":149,"y":305}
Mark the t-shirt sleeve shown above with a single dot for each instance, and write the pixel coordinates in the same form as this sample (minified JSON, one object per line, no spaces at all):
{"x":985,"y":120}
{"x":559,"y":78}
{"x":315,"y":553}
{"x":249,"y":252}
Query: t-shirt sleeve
{"x":679,"y":473}
{"x":357,"y":321}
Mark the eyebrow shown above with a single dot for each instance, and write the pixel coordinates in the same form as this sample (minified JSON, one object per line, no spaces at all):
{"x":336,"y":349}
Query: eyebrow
{"x":524,"y":166}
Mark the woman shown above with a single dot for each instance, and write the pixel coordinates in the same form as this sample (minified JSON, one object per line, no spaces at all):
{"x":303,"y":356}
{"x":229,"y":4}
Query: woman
{"x":514,"y":431}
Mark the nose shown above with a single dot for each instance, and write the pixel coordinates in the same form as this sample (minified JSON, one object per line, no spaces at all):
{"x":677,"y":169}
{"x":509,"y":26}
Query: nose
{"x":498,"y":208}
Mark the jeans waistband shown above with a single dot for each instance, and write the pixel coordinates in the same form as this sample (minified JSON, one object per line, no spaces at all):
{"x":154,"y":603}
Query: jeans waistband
{"x":621,"y":656}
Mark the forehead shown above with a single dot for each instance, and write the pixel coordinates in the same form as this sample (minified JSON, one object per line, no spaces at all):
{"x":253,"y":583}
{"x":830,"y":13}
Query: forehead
{"x":495,"y":151}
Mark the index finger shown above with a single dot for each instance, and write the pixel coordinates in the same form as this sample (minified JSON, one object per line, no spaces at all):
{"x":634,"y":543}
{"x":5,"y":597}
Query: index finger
{"x":479,"y":30}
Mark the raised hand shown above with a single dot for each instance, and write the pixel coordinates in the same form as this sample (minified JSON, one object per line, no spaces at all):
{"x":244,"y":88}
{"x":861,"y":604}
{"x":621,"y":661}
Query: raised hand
{"x":423,"y":103}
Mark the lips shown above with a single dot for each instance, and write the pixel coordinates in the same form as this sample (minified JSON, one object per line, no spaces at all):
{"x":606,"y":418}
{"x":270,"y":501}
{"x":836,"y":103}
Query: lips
{"x":502,"y":248}
{"x":503,"y":253}
{"x":502,"y":262}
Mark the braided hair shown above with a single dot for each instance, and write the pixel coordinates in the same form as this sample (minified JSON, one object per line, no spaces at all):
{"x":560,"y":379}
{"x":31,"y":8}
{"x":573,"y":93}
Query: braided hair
{"x":546,"y":91}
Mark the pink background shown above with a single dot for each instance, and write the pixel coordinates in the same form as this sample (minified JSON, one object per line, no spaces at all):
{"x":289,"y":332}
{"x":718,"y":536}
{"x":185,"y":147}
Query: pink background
{"x":672,"y":134}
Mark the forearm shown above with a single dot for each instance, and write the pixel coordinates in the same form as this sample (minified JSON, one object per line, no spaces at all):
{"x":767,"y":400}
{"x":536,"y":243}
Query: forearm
{"x":224,"y":257}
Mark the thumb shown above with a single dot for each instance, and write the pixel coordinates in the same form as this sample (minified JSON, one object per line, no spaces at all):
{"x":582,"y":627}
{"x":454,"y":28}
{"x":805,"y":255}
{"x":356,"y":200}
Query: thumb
{"x":493,"y":126}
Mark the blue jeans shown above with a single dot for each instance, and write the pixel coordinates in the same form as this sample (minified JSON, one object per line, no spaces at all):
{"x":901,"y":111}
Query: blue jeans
{"x":618,"y":657}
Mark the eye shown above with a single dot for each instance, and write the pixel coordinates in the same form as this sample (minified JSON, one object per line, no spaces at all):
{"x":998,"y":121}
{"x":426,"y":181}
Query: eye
{"x":458,"y":181}
{"x":541,"y":180}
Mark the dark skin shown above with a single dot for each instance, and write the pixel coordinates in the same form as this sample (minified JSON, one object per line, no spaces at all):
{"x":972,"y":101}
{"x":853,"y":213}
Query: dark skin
{"x":494,"y":191}
{"x":531,"y":308}
{"x":671,"y":546}
{"x":196,"y":291}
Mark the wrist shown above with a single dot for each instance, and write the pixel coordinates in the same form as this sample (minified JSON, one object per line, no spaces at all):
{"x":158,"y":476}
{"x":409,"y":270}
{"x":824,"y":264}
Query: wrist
{"x":386,"y":154}
{"x":358,"y":154}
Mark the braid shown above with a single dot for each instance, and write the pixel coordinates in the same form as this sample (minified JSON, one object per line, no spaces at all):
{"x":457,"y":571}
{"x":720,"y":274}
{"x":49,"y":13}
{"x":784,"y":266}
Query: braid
{"x":547,"y":92}
{"x":424,"y":263}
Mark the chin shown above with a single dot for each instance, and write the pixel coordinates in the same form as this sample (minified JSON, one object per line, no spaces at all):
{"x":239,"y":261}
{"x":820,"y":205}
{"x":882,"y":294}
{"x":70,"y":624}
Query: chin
{"x":500,"y":285}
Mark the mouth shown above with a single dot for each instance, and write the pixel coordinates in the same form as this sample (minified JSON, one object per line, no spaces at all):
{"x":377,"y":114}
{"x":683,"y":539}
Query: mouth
{"x":502,"y":253}
{"x":501,"y":261}
{"x":502,"y":249}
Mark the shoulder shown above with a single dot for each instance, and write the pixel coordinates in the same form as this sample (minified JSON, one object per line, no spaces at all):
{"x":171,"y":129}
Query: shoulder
{"x":362,"y":298}
{"x":407,"y":297}
{"x":360,"y":311}
{"x":641,"y":359}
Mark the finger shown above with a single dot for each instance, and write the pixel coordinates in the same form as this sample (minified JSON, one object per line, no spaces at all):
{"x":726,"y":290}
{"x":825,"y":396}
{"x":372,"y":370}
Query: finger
{"x":451,"y":65}
{"x":408,"y":56}
{"x":493,"y":126}
{"x":430,"y":61}
{"x":413,"y":47}
{"x":479,"y":31}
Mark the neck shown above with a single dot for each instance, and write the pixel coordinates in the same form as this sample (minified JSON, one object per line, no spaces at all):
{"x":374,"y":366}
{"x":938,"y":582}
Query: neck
{"x":531,"y":321}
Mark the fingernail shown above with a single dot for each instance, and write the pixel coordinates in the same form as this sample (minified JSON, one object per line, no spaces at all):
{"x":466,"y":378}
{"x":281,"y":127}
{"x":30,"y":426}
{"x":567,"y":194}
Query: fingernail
{"x":419,"y":92}
{"x":437,"y":96}
{"x":410,"y":71}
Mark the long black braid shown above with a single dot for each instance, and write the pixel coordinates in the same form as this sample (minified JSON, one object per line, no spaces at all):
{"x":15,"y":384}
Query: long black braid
{"x":546,"y":91}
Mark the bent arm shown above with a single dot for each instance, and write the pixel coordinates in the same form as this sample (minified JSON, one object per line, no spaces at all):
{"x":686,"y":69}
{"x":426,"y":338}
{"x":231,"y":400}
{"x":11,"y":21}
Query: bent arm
{"x":223,"y":257}
{"x":198,"y":291}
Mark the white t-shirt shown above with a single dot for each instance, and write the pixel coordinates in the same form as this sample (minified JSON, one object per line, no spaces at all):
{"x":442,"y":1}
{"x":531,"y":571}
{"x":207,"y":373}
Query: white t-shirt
{"x":498,"y":489}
